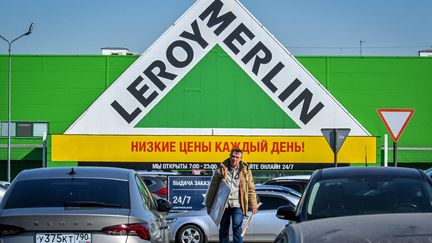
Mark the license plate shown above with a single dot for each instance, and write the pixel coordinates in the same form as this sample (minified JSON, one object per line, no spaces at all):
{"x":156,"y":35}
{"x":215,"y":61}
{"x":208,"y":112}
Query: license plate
{"x":63,"y":238}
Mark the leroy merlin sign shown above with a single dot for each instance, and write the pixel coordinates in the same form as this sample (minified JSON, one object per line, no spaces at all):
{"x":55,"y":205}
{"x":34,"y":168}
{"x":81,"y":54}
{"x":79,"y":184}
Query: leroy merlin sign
{"x":215,"y":72}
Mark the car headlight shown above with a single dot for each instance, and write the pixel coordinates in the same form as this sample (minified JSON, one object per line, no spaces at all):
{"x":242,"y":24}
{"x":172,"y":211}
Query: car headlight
{"x":170,"y":220}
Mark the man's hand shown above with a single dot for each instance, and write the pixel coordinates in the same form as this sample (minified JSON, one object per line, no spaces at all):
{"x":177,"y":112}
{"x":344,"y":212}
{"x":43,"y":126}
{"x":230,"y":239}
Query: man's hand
{"x":254,"y":210}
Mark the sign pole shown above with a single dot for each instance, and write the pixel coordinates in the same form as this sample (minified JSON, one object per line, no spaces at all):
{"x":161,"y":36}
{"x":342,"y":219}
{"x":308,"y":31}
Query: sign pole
{"x":335,"y":138}
{"x":385,"y":150}
{"x":395,"y":154}
{"x":335,"y":151}
{"x":366,"y":158}
{"x":44,"y":136}
{"x":395,"y":120}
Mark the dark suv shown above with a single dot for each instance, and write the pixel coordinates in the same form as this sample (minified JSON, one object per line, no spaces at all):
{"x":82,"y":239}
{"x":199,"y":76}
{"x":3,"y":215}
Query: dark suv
{"x":345,"y":191}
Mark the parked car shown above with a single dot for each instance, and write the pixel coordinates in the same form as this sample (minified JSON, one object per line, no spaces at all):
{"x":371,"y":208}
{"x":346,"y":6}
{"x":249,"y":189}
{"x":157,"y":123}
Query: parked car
{"x":276,"y":188}
{"x":296,"y":182}
{"x":197,"y":226}
{"x":156,"y":181}
{"x":410,"y":227}
{"x":345,"y":191}
{"x":81,"y":204}
{"x":3,"y":187}
{"x":429,"y":172}
{"x":4,"y":184}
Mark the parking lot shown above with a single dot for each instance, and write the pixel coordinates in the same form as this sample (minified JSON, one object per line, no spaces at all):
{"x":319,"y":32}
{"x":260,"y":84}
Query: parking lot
{"x":378,"y":191}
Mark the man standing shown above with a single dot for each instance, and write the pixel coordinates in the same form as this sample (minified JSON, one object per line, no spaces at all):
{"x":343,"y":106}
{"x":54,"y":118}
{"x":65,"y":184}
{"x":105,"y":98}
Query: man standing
{"x":238,"y":176}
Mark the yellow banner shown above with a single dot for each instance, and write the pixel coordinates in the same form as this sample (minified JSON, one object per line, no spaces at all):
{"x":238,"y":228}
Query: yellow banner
{"x":204,"y":149}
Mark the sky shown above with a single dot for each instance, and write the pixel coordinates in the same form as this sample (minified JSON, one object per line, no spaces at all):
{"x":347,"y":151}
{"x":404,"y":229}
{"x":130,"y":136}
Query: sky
{"x":304,"y":27}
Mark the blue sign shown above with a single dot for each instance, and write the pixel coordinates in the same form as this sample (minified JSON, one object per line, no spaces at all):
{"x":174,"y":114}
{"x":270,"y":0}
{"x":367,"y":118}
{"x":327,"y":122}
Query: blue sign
{"x":187,"y":192}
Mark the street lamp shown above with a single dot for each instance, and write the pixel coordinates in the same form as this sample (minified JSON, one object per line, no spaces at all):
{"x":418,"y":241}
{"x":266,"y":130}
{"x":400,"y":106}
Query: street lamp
{"x":361,"y":42}
{"x":9,"y":97}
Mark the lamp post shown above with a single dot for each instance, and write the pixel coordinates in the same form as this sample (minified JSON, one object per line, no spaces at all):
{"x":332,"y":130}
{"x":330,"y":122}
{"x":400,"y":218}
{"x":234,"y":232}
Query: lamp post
{"x":361,"y":42}
{"x":9,"y":97}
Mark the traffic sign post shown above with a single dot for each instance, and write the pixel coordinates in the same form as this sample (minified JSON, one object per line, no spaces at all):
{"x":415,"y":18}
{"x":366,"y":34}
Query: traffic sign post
{"x":395,"y":120}
{"x":335,"y":138}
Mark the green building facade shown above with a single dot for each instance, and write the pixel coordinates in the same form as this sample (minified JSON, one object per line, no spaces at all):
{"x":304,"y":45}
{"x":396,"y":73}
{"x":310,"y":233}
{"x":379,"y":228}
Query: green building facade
{"x":49,"y":92}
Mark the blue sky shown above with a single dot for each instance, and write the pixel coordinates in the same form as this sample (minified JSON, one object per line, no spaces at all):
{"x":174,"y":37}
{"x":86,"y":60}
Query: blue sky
{"x":304,"y":27}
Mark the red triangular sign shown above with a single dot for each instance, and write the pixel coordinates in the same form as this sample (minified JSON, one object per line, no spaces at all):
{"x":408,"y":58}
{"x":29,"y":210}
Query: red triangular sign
{"x":395,"y":120}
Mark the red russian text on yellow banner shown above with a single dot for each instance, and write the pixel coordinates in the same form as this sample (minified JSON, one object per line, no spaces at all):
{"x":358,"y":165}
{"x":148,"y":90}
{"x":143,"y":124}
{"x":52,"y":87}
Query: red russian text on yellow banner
{"x":272,"y":149}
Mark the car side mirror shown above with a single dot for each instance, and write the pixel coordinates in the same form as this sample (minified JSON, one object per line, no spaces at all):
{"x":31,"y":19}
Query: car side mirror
{"x":287,"y":212}
{"x":163,"y":205}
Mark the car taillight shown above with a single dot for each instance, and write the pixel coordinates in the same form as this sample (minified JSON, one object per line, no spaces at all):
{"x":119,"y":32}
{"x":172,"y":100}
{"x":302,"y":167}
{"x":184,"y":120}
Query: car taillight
{"x":10,"y":229}
{"x":141,"y":230}
{"x":162,"y":192}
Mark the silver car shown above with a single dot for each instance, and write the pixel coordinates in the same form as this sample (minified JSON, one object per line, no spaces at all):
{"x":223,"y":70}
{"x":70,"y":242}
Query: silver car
{"x":2,"y":192}
{"x":197,"y":226}
{"x":81,"y":205}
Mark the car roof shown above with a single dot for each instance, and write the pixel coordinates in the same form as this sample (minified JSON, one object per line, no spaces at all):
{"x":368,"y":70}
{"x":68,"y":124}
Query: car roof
{"x":78,"y":171}
{"x":157,"y":172}
{"x":293,"y":198}
{"x":291,"y":177}
{"x":403,"y":172}
{"x":4,"y":183}
{"x":276,"y":188}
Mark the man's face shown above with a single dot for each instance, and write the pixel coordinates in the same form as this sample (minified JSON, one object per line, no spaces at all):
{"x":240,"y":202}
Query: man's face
{"x":235,"y":159}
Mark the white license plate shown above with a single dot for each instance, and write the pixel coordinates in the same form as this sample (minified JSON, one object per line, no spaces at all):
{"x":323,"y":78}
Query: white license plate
{"x":63,"y":238}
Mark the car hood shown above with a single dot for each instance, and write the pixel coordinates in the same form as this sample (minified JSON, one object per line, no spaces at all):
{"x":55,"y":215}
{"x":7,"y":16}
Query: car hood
{"x":404,"y":227}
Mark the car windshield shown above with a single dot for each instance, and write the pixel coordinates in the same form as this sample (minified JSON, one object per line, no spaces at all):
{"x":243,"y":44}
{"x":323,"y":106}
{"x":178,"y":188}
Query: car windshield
{"x":353,"y":196}
{"x":76,"y":192}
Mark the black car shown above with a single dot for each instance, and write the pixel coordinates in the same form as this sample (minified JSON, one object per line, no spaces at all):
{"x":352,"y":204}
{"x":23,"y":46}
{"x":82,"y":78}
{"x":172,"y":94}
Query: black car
{"x":345,"y":191}
{"x":409,"y":227}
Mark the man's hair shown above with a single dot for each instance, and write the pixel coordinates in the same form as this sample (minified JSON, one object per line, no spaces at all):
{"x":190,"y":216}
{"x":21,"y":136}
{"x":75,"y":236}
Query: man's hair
{"x":236,"y":151}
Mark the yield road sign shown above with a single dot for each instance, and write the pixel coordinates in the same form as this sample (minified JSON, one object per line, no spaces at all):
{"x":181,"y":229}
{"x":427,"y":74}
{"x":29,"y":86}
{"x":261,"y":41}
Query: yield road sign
{"x":395,"y":120}
{"x":335,"y":137}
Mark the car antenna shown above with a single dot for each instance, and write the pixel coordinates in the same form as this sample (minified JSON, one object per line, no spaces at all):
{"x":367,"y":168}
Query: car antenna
{"x":72,"y":172}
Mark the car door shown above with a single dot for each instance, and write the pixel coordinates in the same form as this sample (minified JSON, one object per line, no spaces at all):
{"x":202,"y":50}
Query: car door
{"x":149,"y":200}
{"x":265,"y":226}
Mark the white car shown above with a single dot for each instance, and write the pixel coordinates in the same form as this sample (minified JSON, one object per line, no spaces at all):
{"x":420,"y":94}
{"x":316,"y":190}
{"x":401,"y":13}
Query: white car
{"x":197,"y":226}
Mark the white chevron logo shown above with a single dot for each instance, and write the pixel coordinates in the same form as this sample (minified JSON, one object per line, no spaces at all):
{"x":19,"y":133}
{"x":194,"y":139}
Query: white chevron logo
{"x":208,"y":23}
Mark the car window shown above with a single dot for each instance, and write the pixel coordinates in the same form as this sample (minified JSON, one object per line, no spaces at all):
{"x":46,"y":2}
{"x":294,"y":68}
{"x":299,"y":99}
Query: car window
{"x":272,"y":202}
{"x":149,"y":181}
{"x":296,"y":186}
{"x":145,"y":194}
{"x":56,"y":192}
{"x":352,"y":196}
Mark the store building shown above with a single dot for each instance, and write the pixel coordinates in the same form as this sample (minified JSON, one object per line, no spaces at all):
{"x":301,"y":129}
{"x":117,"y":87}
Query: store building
{"x":215,"y":80}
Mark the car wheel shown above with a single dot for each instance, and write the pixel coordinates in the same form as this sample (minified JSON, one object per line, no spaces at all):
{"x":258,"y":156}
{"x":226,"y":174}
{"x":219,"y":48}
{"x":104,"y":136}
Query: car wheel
{"x":190,"y":234}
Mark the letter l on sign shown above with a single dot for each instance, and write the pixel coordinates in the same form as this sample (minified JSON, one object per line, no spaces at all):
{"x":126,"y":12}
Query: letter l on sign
{"x":395,"y":120}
